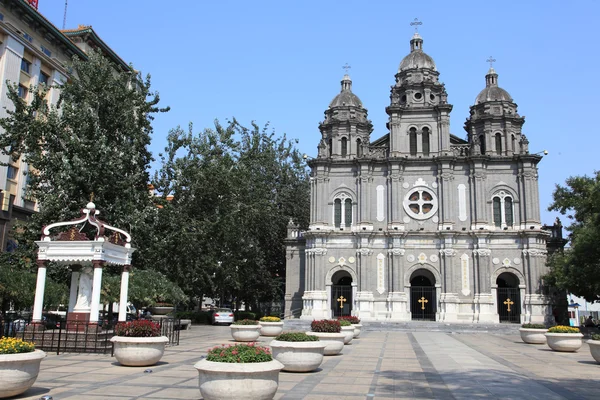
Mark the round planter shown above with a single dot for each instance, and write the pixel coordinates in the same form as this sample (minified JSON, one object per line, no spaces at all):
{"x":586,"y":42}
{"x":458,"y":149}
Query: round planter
{"x":298,"y":356}
{"x":357,"y":328}
{"x":595,"y":349}
{"x":564,"y":341}
{"x":533,"y":336}
{"x":139,"y":351}
{"x":349,"y":332}
{"x":250,"y":381}
{"x":245,"y":333}
{"x":161,"y":310}
{"x":18,"y":372}
{"x":334,"y":342}
{"x":271,"y":328}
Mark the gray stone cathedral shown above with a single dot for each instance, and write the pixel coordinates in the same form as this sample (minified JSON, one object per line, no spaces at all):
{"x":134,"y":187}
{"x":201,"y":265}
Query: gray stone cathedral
{"x":419,"y":223}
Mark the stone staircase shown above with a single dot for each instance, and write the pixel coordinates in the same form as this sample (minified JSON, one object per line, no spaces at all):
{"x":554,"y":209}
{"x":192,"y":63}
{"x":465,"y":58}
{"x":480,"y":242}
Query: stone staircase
{"x":417,"y":326}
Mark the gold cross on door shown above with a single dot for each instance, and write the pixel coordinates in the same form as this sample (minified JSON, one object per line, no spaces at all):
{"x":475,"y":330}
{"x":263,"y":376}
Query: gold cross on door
{"x":509,"y":303}
{"x":423,"y":300}
{"x":341,"y":300}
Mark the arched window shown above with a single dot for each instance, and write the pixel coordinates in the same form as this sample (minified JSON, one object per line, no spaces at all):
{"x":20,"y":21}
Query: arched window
{"x":359,"y":152}
{"x":342,"y":211}
{"x":482,"y":144}
{"x":498,"y":144}
{"x":412,"y":137}
{"x":425,"y":135}
{"x":330,"y":147}
{"x":502,"y":207}
{"x":344,"y":147}
{"x":513,"y":143}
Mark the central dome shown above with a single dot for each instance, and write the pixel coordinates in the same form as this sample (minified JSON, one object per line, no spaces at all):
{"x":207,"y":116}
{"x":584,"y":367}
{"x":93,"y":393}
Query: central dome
{"x":417,"y":57}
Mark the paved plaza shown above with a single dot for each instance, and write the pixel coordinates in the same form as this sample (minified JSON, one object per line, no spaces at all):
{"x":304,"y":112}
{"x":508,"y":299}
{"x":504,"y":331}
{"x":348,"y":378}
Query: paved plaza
{"x":385,"y":364}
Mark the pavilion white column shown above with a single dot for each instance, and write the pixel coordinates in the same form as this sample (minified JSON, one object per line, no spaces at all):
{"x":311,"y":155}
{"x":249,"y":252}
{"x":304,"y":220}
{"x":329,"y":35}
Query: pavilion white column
{"x":38,"y":303}
{"x":73,"y":291}
{"x":96,"y":286}
{"x":124,"y":289}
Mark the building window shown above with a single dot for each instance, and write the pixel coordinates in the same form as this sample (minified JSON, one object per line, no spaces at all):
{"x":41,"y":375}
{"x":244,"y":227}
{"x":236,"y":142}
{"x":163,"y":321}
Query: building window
{"x":342,"y":211}
{"x":498,"y":144}
{"x":359,"y":150}
{"x":11,"y":172}
{"x":25,"y":65}
{"x":502,"y":207}
{"x":44,"y":78}
{"x":425,"y":135}
{"x":412,"y":137}
{"x":22,"y":92}
{"x":344,"y":147}
{"x":513,"y":143}
{"x":482,"y":144}
{"x":420,"y":203}
{"x":28,"y":37}
{"x":46,"y":51}
{"x":330,"y":147}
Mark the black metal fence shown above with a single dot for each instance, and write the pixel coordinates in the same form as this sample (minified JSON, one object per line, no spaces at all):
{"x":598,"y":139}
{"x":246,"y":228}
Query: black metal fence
{"x":61,"y":335}
{"x":341,"y":301}
{"x":422,"y":303}
{"x":509,"y":305}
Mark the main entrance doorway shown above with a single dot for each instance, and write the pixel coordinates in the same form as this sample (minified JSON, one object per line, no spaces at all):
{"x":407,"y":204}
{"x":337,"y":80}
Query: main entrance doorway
{"x":341,"y":294}
{"x":509,"y":298}
{"x":422,"y":296}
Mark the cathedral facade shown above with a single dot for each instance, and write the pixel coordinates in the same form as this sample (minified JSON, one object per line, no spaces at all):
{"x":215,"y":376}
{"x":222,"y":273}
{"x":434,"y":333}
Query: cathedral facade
{"x":421,"y":224}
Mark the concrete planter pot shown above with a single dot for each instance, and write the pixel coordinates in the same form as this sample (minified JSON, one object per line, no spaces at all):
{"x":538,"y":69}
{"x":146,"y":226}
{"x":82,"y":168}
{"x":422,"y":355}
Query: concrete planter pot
{"x":334,"y":342}
{"x":139,"y":351}
{"x":568,"y":342}
{"x":533,"y":336}
{"x":18,"y":372}
{"x":161,"y":310}
{"x":271,"y":328}
{"x":250,"y":381}
{"x":245,"y":333}
{"x":298,"y":356}
{"x":595,"y":349}
{"x":357,"y":328}
{"x":349,"y":332}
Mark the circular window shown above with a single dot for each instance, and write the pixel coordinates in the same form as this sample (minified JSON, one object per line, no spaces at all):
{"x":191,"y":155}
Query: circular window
{"x":432,"y":97}
{"x":418,"y":96}
{"x":420,"y":203}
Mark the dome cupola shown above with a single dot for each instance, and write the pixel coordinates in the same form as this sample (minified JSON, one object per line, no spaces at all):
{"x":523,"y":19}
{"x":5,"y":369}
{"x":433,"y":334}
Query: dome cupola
{"x":417,"y":58}
{"x":346,"y":98}
{"x":492,"y":91}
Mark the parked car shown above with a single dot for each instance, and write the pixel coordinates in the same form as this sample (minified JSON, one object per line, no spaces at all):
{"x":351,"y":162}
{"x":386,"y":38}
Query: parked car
{"x":222,"y":316}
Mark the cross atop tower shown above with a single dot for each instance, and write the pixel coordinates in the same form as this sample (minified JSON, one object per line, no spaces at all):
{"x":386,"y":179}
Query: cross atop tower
{"x":416,"y":24}
{"x":491,"y":60}
{"x":346,"y":68}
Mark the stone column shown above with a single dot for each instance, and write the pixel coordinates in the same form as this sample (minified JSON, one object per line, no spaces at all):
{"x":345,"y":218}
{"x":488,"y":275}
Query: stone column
{"x":96,"y":287}
{"x":478,"y":178}
{"x":38,"y":303}
{"x":124,"y":290}
{"x":73,"y":289}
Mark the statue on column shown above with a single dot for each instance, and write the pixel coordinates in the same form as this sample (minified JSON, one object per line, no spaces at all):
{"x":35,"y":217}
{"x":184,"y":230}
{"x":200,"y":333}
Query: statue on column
{"x":84,"y":291}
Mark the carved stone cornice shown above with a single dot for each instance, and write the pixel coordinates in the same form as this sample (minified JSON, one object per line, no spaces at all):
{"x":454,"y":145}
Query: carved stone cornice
{"x":482,"y":252}
{"x":319,"y":251}
{"x":396,"y":252}
{"x":535,"y":252}
{"x":447,"y":252}
{"x":364,"y":252}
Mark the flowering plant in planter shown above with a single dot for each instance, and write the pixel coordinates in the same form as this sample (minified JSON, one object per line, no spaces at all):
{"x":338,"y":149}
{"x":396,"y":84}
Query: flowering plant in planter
{"x":595,"y":336}
{"x":298,"y":337}
{"x":563,"y":329}
{"x":138,"y":328}
{"x":239,"y":353}
{"x":351,"y":318}
{"x":10,"y":345}
{"x":246,"y":322}
{"x":270,"y":319}
{"x":326,"y":325}
{"x":345,"y":322}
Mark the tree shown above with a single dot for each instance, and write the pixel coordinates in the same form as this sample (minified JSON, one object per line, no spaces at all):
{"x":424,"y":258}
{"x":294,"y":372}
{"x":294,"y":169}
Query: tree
{"x":577,"y":270}
{"x":93,"y":143}
{"x":235,"y":190}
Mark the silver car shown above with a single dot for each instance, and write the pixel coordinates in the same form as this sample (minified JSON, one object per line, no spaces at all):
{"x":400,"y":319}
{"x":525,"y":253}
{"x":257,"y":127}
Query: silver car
{"x":222,"y":316}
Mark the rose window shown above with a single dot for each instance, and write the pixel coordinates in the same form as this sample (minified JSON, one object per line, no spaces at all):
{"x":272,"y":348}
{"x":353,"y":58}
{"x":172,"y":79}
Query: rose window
{"x":420,"y":203}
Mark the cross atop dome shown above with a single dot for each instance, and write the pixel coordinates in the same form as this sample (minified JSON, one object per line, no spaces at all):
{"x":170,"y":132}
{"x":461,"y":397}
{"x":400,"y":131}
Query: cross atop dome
{"x":416,"y":24}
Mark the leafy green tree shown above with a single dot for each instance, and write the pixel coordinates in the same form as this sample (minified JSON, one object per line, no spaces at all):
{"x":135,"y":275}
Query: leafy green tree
{"x":577,"y":269}
{"x":234,"y":191}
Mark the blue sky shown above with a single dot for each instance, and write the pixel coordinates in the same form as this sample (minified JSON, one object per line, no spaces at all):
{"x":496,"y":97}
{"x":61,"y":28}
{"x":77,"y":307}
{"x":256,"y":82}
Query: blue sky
{"x":281,"y":62}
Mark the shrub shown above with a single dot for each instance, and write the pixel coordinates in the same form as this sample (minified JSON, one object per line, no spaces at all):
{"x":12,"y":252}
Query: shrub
{"x":563,"y":329}
{"x":246,"y":315}
{"x":533,"y":326}
{"x":270,"y":319}
{"x":296,"y":337}
{"x":344,"y":322}
{"x":197,"y":317}
{"x":10,"y":345}
{"x":351,"y":318}
{"x":326,"y":325}
{"x":246,"y":322}
{"x":138,"y":328}
{"x":595,"y":336}
{"x":239,"y":353}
